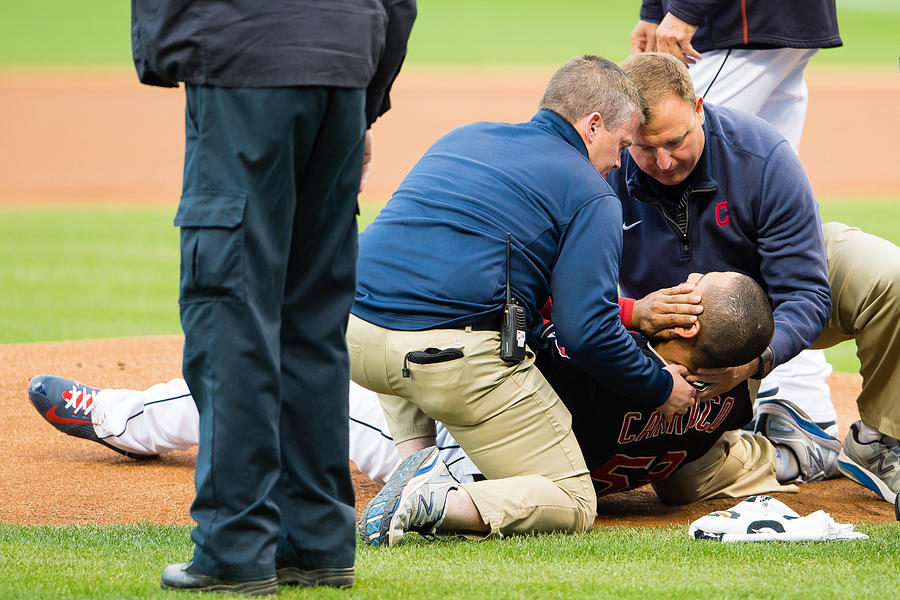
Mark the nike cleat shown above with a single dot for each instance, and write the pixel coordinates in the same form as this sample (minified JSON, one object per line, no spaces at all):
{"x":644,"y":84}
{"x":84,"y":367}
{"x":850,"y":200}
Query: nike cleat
{"x":67,"y":405}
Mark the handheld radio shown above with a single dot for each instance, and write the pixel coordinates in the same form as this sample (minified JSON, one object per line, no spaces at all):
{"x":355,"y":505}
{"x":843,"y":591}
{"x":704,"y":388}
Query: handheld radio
{"x":512,"y":330}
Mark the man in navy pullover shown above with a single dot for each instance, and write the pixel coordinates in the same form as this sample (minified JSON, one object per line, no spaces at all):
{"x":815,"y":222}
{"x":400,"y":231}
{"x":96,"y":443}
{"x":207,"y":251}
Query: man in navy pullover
{"x":431,"y":288}
{"x":754,"y":54}
{"x":706,"y":188}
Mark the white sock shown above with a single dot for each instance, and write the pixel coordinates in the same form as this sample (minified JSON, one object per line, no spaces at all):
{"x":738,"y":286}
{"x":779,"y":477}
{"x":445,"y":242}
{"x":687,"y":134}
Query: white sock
{"x":867,"y":435}
{"x":786,"y":466}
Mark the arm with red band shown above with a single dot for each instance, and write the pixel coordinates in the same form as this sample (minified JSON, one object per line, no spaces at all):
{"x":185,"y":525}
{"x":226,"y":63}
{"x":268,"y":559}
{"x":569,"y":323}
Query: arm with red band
{"x":626,"y":307}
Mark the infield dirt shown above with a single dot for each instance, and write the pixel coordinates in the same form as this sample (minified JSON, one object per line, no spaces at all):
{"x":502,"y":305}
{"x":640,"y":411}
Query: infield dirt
{"x":88,"y":138}
{"x":48,"y":477}
{"x":75,"y":138}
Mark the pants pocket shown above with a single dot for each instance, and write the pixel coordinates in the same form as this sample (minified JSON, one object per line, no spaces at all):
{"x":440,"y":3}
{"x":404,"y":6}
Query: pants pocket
{"x":212,"y":246}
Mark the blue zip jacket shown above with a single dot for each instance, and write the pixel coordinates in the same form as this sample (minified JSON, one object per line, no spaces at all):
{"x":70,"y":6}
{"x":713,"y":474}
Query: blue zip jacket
{"x":435,"y":257}
{"x":751,"y":210}
{"x":752,"y":24}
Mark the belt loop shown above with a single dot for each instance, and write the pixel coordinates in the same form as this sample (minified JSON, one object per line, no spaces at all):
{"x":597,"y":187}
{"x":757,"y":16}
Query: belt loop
{"x":468,"y":329}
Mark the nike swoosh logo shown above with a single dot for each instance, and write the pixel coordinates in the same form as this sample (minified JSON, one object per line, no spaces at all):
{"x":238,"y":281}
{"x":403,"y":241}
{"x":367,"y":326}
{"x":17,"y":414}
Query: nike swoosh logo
{"x":51,"y":416}
{"x":627,"y":227}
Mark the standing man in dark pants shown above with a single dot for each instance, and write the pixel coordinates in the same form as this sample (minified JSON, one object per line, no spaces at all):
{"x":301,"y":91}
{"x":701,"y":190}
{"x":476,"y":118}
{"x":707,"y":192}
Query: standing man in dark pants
{"x":279,"y":97}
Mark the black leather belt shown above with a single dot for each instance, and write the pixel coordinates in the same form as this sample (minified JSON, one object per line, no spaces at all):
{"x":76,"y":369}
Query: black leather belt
{"x":489,"y":323}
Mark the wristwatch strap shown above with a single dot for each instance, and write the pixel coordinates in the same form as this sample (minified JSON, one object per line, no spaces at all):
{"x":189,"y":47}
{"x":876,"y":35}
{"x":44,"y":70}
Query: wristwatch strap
{"x":765,"y":363}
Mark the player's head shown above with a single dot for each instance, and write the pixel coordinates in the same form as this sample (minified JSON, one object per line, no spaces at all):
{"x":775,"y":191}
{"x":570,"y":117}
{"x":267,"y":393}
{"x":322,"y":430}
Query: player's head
{"x":735,"y":326}
{"x":603,"y":105}
{"x":668,"y":145}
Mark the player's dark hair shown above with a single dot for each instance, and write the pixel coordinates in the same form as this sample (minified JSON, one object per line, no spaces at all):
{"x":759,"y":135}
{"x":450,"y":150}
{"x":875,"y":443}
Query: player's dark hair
{"x":736,"y":325}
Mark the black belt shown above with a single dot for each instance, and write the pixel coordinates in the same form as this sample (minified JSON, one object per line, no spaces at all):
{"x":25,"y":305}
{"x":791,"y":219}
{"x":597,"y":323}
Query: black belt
{"x":489,"y":323}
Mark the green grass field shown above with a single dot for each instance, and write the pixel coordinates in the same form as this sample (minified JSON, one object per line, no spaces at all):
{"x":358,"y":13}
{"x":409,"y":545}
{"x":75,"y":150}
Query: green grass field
{"x":78,"y":273}
{"x":91,"y":272}
{"x":116,"y":561}
{"x":97,"y":33}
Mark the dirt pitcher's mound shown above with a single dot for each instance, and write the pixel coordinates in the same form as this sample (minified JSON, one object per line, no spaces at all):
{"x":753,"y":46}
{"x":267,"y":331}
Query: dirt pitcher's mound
{"x":48,"y":477}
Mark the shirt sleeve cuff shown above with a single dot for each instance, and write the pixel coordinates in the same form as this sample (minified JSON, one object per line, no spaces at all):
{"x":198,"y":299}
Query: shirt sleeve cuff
{"x":690,"y":14}
{"x":651,"y":12}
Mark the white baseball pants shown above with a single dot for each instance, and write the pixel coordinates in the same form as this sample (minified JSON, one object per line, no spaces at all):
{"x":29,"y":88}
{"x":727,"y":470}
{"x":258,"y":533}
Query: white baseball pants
{"x":164,"y":418}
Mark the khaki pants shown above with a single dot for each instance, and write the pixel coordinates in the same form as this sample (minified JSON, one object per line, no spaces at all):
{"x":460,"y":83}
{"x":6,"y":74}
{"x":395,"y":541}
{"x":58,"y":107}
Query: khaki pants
{"x":505,"y":416}
{"x":864,"y":274}
{"x":740,"y":464}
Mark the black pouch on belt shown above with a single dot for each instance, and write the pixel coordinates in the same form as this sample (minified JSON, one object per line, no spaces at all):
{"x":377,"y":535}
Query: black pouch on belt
{"x":430,"y":356}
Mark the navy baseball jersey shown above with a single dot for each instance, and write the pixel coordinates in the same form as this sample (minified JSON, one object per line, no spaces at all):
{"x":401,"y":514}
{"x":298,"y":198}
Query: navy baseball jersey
{"x":625,"y":444}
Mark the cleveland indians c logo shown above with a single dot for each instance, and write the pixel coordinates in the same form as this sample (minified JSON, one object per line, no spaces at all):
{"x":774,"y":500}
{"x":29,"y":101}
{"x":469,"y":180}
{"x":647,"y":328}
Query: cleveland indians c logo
{"x":722,"y":216}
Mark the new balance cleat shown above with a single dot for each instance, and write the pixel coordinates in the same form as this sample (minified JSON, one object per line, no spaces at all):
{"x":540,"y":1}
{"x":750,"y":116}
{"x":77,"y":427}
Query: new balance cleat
{"x":875,"y":465}
{"x":413,"y":499}
{"x":784,"y":424}
{"x":67,"y":405}
{"x":829,"y":427}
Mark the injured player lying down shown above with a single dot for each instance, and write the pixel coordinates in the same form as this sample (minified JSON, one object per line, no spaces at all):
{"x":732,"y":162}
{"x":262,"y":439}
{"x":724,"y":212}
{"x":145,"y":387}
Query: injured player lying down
{"x":699,"y":455}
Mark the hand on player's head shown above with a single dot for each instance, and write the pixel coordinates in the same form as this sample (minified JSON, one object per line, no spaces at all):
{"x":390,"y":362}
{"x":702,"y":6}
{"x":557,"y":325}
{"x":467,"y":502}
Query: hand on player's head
{"x":662,"y":314}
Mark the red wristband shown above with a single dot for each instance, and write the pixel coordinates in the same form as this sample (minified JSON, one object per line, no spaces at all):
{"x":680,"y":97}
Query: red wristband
{"x":626,"y":307}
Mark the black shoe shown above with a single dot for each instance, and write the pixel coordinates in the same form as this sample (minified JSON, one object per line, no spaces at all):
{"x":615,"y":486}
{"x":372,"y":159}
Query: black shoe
{"x":339,"y":578}
{"x":185,"y":576}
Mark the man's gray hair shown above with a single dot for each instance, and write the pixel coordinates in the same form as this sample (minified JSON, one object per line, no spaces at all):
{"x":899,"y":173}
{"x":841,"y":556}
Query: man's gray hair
{"x":587,"y":84}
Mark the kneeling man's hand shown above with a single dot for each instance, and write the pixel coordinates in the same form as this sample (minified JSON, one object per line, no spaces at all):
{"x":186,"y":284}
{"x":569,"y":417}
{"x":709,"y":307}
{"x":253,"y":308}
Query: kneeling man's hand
{"x":657,"y":314}
{"x":722,"y":380}
{"x":682,"y":397}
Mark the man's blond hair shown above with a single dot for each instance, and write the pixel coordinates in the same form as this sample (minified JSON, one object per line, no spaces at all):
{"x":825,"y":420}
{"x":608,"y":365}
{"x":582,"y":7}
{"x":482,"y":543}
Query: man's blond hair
{"x":658,"y":75}
{"x":588,"y":84}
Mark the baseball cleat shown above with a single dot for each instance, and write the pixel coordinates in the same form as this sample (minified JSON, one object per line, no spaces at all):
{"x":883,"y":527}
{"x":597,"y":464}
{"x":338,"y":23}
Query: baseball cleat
{"x":784,"y":424}
{"x":413,"y":499}
{"x":67,"y":404}
{"x":875,"y":465}
{"x":829,"y":427}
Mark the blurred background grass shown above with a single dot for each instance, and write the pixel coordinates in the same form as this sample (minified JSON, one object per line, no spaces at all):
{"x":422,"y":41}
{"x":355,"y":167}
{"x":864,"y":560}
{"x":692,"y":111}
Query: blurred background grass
{"x":93,"y":272}
{"x":96,"y":33}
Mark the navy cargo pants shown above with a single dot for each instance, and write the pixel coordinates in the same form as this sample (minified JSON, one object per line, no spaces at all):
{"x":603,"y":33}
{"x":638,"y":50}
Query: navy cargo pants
{"x":268,"y":264}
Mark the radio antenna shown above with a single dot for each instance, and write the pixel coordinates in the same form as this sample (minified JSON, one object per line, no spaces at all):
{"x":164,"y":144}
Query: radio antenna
{"x":508,"y":295}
